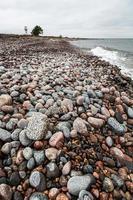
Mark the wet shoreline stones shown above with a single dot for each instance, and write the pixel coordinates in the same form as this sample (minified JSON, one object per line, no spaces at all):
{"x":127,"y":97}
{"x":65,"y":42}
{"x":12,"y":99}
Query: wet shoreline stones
{"x":66,"y":124}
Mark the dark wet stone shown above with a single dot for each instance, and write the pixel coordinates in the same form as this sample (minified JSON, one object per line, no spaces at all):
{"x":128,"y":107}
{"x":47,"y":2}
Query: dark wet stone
{"x":87,"y":169}
{"x":3,"y":180}
{"x":91,"y":93}
{"x":17,"y":196}
{"x":119,"y":117}
{"x":7,"y":161}
{"x":15,"y":179}
{"x":52,"y":170}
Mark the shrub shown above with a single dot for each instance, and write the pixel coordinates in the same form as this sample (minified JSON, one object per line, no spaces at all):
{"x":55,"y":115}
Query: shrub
{"x":37,"y":30}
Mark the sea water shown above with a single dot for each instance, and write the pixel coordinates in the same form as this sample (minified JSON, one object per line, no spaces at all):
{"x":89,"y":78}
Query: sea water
{"x":116,"y":51}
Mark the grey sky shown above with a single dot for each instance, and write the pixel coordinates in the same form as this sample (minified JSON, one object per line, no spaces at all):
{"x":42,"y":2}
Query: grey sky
{"x":79,"y":18}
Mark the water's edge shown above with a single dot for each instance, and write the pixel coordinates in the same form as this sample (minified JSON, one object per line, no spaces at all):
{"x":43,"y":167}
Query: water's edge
{"x":121,"y":59}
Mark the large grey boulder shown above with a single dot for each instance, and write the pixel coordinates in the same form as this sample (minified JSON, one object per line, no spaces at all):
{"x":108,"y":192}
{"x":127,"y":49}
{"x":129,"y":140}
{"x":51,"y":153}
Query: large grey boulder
{"x":37,"y":126}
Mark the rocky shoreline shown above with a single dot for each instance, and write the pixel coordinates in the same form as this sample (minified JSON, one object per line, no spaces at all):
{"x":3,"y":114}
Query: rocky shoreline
{"x":66,"y":123}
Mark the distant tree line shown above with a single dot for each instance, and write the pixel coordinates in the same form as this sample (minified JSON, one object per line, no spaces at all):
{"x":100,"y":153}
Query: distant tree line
{"x":36,"y":31}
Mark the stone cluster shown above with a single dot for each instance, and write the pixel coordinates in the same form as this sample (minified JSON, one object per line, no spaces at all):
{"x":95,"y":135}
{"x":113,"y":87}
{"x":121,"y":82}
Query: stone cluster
{"x":66,"y":124}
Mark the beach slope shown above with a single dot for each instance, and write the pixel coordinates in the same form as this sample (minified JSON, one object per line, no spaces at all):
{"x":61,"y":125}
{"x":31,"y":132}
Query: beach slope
{"x":66,"y":123}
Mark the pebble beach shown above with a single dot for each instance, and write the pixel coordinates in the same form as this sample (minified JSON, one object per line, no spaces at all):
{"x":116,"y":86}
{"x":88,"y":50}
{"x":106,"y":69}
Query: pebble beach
{"x":66,"y":123}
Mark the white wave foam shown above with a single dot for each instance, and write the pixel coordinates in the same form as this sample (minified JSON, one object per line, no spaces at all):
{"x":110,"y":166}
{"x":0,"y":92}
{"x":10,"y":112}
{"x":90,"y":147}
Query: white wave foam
{"x":110,"y":56}
{"x":114,"y":58}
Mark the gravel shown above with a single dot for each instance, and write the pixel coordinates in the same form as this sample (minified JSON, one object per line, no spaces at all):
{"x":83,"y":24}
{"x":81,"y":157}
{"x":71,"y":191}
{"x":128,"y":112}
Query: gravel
{"x":65,"y":123}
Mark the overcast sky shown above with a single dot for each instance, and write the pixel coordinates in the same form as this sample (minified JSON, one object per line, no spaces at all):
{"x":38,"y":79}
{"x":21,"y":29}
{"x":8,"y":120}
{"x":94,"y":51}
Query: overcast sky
{"x":78,"y":18}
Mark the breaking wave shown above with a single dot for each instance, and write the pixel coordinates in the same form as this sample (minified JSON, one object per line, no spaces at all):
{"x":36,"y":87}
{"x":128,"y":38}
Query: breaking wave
{"x":113,"y":57}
